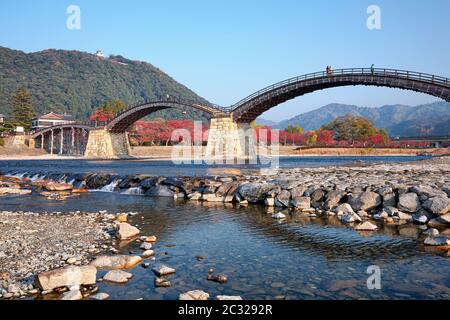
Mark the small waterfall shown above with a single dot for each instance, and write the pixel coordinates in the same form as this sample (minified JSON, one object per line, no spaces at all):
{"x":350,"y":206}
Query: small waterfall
{"x":111,"y":187}
{"x":137,"y":191}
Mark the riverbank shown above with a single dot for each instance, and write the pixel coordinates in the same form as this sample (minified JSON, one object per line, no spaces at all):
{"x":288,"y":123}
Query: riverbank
{"x":32,"y":243}
{"x":165,"y":153}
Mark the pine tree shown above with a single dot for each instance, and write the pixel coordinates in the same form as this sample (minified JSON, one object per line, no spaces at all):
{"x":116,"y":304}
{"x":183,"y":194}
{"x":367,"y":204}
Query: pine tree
{"x":21,"y":107}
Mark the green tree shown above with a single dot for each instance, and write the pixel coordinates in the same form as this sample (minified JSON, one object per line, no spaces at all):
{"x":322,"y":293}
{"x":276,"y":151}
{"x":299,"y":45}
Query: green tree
{"x":351,"y":128}
{"x":21,"y":108}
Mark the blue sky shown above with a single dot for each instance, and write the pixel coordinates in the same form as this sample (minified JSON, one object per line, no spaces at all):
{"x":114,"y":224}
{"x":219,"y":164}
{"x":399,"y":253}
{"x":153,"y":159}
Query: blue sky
{"x":225,"y":50}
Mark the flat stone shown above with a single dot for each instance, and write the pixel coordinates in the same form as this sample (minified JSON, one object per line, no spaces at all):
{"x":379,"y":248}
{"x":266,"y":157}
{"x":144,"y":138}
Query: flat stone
{"x":163,"y":270}
{"x":100,"y":296}
{"x":147,"y":254}
{"x":194,"y":295}
{"x":162,"y":283}
{"x":117,"y":276}
{"x":116,"y":262}
{"x":230,"y":298}
{"x":72,"y":295}
{"x":440,"y":241}
{"x":279,"y":215}
{"x":126,"y":231}
{"x":366,"y":226}
{"x":68,"y":276}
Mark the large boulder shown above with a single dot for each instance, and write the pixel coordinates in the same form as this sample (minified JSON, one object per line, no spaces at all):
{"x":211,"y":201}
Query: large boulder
{"x":364,"y":201}
{"x":389,"y":200}
{"x":160,"y":191}
{"x":426,"y":192}
{"x":438,"y":205}
{"x":97,"y":181}
{"x":66,"y":277}
{"x":301,"y":203}
{"x":257,"y":192}
{"x":283,"y":199}
{"x":333,"y":198}
{"x":126,"y":231}
{"x":409,"y":202}
{"x":116,"y":262}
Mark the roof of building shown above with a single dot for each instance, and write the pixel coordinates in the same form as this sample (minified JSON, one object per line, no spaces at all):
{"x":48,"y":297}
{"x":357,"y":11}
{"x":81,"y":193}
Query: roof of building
{"x":2,"y":116}
{"x":55,"y":116}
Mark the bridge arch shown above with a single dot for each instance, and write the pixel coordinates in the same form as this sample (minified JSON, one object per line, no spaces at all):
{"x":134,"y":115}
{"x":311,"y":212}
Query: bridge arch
{"x":248,"y":109}
{"x":125,"y":119}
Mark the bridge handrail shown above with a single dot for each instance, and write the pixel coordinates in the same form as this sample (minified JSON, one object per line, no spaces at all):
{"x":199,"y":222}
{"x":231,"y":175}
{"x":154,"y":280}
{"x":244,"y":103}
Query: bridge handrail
{"x":91,"y":124}
{"x":171,"y":99}
{"x":348,"y":71}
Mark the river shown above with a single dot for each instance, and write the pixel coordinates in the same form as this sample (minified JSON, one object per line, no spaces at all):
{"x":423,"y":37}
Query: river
{"x":297,"y":258}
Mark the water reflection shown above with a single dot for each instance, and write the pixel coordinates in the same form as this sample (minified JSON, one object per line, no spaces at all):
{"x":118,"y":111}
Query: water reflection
{"x":300,"y":258}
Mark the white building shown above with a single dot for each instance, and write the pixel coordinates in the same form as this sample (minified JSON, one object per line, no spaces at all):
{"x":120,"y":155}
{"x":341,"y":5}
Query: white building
{"x":99,"y":54}
{"x":49,"y":120}
{"x":2,"y":118}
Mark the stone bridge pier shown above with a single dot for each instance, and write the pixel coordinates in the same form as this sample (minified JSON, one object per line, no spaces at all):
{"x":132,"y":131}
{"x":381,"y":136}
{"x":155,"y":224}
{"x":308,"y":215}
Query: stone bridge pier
{"x":107,"y":145}
{"x":229,"y":141}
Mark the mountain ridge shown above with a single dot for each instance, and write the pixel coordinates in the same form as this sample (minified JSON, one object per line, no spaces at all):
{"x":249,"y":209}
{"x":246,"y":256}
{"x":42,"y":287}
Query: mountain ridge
{"x":75,"y":82}
{"x":398,"y":120}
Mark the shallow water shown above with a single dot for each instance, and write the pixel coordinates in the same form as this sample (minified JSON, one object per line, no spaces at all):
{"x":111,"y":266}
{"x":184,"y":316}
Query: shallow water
{"x":299,"y":258}
{"x":167,"y":168}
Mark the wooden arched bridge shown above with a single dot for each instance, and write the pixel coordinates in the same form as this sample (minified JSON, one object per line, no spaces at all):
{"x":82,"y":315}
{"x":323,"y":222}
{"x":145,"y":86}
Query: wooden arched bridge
{"x":109,"y":139}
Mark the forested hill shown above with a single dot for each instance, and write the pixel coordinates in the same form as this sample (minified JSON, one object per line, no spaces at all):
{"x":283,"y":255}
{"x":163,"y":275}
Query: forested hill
{"x":76,"y":82}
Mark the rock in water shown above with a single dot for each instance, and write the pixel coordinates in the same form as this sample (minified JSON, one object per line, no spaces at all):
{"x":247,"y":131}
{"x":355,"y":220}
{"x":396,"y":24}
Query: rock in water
{"x":126,"y":231}
{"x":68,"y":276}
{"x":221,"y":278}
{"x":54,"y":186}
{"x":439,"y":241}
{"x":116,"y":262}
{"x":301,"y":203}
{"x":163,"y":270}
{"x":146,"y":246}
{"x":147,"y":254}
{"x":100,"y":296}
{"x":283,"y":199}
{"x":409,"y":202}
{"x":194,"y":295}
{"x":162,"y":283}
{"x":365,"y":201}
{"x":366,"y":226}
{"x":438,"y":205}
{"x":229,"y":298}
{"x":279,"y":215}
{"x":117,"y":276}
{"x":72,"y":295}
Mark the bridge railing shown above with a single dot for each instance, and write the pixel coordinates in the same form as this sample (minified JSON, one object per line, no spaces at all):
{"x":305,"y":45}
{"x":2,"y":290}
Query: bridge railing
{"x":349,"y":71}
{"x":173,"y":99}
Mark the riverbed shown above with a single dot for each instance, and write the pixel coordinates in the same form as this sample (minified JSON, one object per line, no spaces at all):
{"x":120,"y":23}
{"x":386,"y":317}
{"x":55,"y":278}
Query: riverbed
{"x":300,"y":257}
